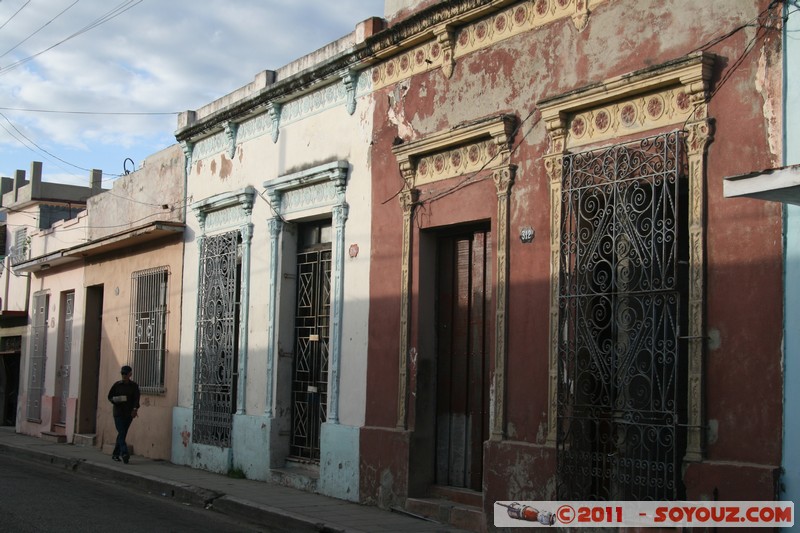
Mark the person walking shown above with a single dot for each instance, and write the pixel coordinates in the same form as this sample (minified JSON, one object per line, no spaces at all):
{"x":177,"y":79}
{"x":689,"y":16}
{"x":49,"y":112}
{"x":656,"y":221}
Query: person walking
{"x":124,"y":394}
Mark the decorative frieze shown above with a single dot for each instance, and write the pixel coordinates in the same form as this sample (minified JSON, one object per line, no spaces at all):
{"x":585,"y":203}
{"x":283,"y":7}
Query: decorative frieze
{"x":452,"y":40}
{"x":461,"y":150}
{"x":628,"y":117}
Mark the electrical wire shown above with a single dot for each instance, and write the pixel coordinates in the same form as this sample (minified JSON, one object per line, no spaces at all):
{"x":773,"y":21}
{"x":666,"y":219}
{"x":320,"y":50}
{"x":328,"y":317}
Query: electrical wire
{"x":38,"y":30}
{"x":115,"y":12}
{"x":116,"y":113}
{"x":15,"y":14}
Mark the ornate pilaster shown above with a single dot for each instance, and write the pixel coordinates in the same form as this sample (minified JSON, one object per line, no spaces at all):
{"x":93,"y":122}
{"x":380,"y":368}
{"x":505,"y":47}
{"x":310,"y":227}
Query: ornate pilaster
{"x":246,"y":231}
{"x":503,"y":180}
{"x":339,"y":213}
{"x":350,"y":81}
{"x":408,"y":199}
{"x":445,"y":36}
{"x":230,"y":133}
{"x":554,"y":163}
{"x":274,"y":111}
{"x":700,"y":135}
{"x":275,"y":228}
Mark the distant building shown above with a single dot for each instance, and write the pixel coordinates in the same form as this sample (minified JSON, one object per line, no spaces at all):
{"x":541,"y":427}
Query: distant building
{"x":105,"y":291}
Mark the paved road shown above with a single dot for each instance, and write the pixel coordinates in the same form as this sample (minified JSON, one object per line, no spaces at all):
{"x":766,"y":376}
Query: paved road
{"x":37,"y":498}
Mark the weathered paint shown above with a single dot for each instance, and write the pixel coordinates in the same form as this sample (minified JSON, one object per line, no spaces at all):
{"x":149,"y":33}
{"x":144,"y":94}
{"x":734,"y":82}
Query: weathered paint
{"x":743,"y":372}
{"x":304,"y":132}
{"x":790,"y":488}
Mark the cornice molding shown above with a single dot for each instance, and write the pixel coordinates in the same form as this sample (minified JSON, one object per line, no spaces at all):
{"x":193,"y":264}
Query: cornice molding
{"x":436,"y":24}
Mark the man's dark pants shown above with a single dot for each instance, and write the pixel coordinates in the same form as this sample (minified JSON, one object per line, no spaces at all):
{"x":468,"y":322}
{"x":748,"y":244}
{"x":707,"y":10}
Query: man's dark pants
{"x":122,"y":424}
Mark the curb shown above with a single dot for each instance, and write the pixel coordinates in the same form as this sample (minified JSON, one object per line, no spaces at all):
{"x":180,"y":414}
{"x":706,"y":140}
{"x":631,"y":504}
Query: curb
{"x":276,"y":519}
{"x":180,"y":492}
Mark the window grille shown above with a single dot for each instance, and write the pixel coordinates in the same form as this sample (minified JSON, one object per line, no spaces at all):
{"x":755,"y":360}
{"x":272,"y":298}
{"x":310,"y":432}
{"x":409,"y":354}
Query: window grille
{"x":19,"y":252}
{"x":622,"y":376}
{"x":217,"y":340}
{"x":148,"y":328}
{"x":41,"y":302}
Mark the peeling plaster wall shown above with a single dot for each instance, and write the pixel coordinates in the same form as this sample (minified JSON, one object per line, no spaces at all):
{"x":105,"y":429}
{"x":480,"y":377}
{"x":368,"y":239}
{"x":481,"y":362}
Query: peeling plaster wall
{"x":791,"y":416}
{"x":743,"y":265}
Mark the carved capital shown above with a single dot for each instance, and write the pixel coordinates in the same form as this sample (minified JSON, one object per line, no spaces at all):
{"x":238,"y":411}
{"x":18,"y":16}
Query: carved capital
{"x":408,"y":198}
{"x":275,"y":227}
{"x":445,"y":36}
{"x":340,"y":213}
{"x":503,"y":179}
{"x":700,"y":134}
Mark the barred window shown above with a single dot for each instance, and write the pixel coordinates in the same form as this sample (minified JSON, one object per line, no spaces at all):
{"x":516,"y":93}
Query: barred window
{"x":148,"y":328}
{"x":19,"y":251}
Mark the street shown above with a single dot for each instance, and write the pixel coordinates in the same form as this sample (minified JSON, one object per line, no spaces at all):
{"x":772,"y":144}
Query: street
{"x":39,"y":498}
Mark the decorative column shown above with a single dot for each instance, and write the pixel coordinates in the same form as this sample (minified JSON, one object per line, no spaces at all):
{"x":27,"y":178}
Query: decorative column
{"x":700,"y":134}
{"x":408,"y":198}
{"x":246,"y":231}
{"x":554,"y":165}
{"x":275,"y":228}
{"x":503,"y":180}
{"x":339,"y":212}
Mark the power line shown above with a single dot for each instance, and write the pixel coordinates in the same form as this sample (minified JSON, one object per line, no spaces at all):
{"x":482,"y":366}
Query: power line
{"x":15,"y":14}
{"x":123,"y":113}
{"x":39,"y":29}
{"x":115,"y":12}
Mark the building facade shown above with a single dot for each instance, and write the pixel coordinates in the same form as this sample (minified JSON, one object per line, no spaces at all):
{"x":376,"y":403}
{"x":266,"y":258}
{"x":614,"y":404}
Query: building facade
{"x":554,"y":315}
{"x":277,"y":254}
{"x":105,"y":290}
{"x":478,"y":251}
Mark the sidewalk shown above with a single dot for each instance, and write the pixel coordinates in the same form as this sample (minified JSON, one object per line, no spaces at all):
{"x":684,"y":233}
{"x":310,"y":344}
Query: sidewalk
{"x":275,"y":507}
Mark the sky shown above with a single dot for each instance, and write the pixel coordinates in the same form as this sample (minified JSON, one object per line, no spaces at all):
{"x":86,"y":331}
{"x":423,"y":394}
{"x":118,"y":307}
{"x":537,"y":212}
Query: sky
{"x":92,"y":83}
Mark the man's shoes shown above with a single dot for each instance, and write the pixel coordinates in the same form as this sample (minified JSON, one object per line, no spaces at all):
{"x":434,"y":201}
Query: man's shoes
{"x":125,"y":458}
{"x":116,"y":458}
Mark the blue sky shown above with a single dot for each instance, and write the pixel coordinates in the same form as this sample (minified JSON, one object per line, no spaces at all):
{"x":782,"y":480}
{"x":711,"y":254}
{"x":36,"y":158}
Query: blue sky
{"x":62,"y":61}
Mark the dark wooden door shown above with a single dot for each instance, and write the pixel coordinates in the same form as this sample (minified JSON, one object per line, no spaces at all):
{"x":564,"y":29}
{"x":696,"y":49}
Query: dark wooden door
{"x":462,"y":415}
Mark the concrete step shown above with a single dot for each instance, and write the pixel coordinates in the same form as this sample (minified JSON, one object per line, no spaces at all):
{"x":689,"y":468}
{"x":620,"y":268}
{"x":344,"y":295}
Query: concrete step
{"x":86,"y":440}
{"x":459,"y":515}
{"x":52,"y":436}
{"x":458,"y":495}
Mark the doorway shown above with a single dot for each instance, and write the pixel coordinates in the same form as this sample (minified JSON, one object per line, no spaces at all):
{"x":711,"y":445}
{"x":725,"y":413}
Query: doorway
{"x":90,"y":362}
{"x":312,"y":335}
{"x":10,"y":355}
{"x":463,"y":325}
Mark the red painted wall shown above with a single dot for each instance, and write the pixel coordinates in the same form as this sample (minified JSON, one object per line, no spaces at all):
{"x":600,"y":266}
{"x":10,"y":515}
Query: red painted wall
{"x":743,"y":389}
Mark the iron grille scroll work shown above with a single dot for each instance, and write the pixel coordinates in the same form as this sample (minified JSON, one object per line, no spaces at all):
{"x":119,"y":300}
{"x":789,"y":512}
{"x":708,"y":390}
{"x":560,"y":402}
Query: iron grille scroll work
{"x":622,"y":302}
{"x":217,"y":339}
{"x":148,"y":328}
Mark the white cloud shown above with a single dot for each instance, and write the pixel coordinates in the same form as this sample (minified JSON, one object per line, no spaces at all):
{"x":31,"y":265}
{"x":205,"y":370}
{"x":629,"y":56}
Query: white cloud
{"x":156,"y":57}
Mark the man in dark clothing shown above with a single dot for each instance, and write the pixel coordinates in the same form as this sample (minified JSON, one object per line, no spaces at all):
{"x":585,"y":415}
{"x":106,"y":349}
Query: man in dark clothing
{"x":124,"y":394}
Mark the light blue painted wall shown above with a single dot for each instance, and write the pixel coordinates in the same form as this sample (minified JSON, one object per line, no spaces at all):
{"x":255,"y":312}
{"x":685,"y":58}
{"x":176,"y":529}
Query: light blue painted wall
{"x":791,"y":415}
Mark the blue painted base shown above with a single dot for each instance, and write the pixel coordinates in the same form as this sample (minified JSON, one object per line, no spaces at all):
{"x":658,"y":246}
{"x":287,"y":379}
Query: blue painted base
{"x":339,"y":463}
